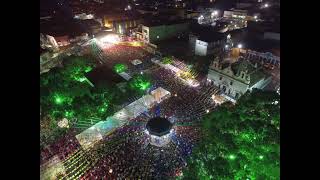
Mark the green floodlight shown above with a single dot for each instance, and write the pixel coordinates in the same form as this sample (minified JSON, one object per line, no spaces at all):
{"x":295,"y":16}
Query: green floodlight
{"x":119,"y":68}
{"x":59,"y":99}
{"x":232,"y":157}
{"x":82,"y":79}
{"x":260,"y":157}
{"x":144,"y":85}
{"x":102,"y":109}
{"x":87,"y":69}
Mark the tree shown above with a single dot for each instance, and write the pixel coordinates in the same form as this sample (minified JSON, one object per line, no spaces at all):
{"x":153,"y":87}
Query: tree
{"x":237,"y":146}
{"x":76,"y":67}
{"x":167,"y":60}
{"x":119,"y":68}
{"x":140,"y":82}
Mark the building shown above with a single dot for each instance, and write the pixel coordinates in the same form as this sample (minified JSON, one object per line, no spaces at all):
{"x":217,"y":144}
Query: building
{"x":121,"y":24}
{"x":93,"y":26}
{"x":157,"y":31}
{"x":235,"y":79}
{"x":56,"y":33}
{"x":235,"y":13}
{"x":207,"y":44}
{"x":205,"y":40}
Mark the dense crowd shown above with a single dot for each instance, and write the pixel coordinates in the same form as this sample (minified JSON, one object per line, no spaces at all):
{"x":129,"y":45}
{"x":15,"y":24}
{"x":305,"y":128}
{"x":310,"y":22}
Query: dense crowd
{"x":62,"y":147}
{"x":123,"y":54}
{"x":127,"y":152}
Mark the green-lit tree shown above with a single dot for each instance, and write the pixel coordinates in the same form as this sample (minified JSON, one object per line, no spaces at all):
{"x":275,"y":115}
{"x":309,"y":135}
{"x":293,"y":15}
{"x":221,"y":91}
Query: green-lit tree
{"x":239,"y":142}
{"x":76,"y":67}
{"x":63,"y":93}
{"x":119,"y":68}
{"x":167,"y":60}
{"x":140,"y":82}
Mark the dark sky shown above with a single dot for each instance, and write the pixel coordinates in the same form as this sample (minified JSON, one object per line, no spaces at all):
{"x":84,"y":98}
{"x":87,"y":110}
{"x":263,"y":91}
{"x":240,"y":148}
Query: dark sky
{"x":60,"y":6}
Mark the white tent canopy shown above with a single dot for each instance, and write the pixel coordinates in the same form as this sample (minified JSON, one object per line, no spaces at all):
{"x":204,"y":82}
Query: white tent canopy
{"x":136,"y":62}
{"x":96,"y":133}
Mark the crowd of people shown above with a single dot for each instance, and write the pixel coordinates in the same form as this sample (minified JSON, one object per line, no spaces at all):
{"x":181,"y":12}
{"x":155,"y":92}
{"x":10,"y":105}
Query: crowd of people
{"x":132,"y":156}
{"x":127,"y":152}
{"x":62,"y":147}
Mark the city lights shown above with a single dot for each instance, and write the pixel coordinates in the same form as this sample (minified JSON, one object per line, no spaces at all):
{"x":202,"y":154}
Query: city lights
{"x":215,"y":13}
{"x":111,"y":38}
{"x":137,"y":91}
{"x":119,"y":68}
{"x":58,"y":100}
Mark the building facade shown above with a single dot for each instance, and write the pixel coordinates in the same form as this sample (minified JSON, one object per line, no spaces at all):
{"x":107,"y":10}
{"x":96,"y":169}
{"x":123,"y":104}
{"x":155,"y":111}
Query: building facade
{"x":203,"y":48}
{"x":154,"y":33}
{"x":206,"y":44}
{"x":235,"y":79}
{"x":120,"y":24}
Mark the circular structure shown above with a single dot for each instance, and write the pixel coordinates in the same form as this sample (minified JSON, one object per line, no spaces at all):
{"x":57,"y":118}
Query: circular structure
{"x":159,"y":126}
{"x":159,"y":129}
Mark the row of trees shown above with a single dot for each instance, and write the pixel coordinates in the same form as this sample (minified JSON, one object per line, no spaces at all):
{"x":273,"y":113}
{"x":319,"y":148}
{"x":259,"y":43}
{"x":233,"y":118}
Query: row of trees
{"x":240,"y":141}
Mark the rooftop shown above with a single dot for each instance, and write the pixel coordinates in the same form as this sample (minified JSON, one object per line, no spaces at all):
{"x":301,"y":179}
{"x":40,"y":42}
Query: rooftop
{"x":207,"y":34}
{"x":159,"y":126}
{"x":256,"y":74}
{"x":160,"y":22}
{"x":211,"y":36}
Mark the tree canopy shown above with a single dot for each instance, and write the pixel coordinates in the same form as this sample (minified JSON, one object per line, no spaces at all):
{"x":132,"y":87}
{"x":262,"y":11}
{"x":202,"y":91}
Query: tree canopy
{"x":239,"y":142}
{"x":140,"y":82}
{"x":65,"y":93}
{"x":167,"y":60}
{"x":119,"y":68}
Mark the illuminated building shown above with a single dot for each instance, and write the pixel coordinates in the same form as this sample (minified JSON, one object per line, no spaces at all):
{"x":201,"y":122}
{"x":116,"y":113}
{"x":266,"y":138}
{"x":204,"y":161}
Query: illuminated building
{"x":121,"y":24}
{"x":235,"y":79}
{"x":157,"y":31}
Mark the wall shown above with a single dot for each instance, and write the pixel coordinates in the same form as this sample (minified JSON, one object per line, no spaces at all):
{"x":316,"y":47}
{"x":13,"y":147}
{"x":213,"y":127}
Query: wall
{"x":236,"y":87}
{"x":158,"y":33}
{"x":201,"y":48}
{"x":262,"y":83}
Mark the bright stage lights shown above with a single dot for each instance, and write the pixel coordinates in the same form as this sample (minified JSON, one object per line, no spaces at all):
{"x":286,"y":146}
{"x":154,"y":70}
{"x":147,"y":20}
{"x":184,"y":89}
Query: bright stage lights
{"x":111,"y":38}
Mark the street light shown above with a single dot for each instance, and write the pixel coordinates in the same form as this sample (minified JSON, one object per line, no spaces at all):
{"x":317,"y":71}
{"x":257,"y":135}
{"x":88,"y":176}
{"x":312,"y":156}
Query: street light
{"x":226,"y":46}
{"x":239,"y":46}
{"x":214,"y":13}
{"x":255,"y":17}
{"x":266,"y":5}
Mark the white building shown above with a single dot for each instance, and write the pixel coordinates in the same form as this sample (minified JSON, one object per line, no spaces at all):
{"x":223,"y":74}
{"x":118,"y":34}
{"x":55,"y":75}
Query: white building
{"x":235,"y":79}
{"x":205,"y":44}
{"x":235,"y":13}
